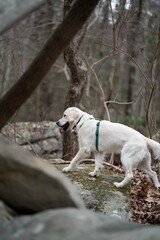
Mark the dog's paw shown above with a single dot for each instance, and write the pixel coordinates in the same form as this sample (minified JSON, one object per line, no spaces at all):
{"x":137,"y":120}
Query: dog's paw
{"x":116,"y":184}
{"x":157,"y":186}
{"x":93,"y":174}
{"x":66,"y":169}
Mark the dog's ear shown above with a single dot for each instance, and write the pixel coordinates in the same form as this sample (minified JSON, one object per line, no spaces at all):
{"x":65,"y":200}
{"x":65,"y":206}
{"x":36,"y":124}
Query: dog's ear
{"x":74,"y":115}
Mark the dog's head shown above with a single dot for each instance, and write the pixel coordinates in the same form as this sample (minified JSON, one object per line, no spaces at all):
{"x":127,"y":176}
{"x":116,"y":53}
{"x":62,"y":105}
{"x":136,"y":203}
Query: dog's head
{"x":69,"y":119}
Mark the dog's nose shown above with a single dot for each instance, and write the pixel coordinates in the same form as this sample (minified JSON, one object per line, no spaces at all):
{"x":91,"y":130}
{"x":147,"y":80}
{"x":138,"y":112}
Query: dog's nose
{"x":57,"y":123}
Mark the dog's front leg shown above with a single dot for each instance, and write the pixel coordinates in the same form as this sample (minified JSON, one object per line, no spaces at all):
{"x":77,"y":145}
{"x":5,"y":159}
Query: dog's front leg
{"x":98,"y":164}
{"x":82,"y":154}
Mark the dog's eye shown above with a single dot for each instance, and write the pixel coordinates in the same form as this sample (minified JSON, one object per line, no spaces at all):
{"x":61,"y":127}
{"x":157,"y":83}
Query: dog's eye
{"x":64,"y":115}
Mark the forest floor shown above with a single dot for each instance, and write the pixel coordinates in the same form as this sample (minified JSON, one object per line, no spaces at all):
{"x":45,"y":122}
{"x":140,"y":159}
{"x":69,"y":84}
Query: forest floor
{"x":144,"y":199}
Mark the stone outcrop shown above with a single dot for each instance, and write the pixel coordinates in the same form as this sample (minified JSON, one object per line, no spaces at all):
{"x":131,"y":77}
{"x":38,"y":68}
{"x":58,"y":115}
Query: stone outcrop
{"x":99,"y":194}
{"x":54,"y":209}
{"x":71,"y":224}
{"x":41,"y":138}
{"x":29,"y":185}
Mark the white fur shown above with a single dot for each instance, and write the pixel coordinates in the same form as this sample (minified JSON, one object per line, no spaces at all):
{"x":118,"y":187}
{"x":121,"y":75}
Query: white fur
{"x":113,"y":138}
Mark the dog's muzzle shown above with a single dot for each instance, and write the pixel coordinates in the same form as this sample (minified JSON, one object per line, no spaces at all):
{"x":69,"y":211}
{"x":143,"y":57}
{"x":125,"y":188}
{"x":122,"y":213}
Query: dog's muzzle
{"x":63,"y":127}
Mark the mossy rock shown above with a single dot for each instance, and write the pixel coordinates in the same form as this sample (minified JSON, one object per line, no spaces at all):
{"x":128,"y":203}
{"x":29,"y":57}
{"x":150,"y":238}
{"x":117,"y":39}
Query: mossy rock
{"x":99,"y":194}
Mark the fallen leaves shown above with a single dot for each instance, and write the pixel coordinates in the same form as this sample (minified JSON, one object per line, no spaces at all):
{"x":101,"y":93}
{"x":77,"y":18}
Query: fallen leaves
{"x":144,"y":200}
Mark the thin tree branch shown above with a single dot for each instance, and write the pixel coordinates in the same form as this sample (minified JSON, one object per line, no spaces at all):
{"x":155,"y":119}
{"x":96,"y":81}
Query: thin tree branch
{"x":127,"y":54}
{"x":99,"y":84}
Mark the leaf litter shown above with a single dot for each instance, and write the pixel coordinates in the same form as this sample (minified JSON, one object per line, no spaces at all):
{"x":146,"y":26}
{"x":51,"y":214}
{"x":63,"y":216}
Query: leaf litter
{"x":144,"y":199}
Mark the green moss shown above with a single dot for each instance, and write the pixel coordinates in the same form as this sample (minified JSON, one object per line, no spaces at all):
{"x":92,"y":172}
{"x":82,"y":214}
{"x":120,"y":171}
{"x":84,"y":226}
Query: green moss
{"x":99,"y":194}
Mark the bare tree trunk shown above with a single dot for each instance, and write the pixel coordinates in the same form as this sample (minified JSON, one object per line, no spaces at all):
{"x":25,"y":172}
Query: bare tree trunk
{"x":78,"y":81}
{"x":60,"y":39}
{"x":115,"y":37}
{"x":157,"y":66}
{"x":153,"y":102}
{"x":115,"y":32}
{"x":145,"y":21}
{"x":136,"y":8}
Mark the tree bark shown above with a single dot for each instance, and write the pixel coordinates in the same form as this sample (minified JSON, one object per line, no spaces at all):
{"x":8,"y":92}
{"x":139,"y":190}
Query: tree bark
{"x":135,"y":12}
{"x":60,"y":39}
{"x":115,"y":36}
{"x":115,"y":39}
{"x":78,"y":81}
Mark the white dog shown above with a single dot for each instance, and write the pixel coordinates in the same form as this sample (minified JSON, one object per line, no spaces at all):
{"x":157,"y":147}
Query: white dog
{"x":109,"y":137}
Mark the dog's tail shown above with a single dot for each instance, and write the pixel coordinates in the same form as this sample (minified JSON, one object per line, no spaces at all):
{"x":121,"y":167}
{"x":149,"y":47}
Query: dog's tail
{"x":154,"y":146}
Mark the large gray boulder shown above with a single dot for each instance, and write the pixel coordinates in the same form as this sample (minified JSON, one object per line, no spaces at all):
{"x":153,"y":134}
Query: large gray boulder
{"x":71,"y":224}
{"x":41,"y":138}
{"x":29,"y":185}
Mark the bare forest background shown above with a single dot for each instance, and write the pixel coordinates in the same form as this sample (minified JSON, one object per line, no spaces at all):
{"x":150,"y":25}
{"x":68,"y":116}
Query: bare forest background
{"x":110,"y":69}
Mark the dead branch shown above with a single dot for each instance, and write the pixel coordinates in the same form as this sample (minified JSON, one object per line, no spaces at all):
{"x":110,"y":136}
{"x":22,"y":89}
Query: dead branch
{"x":113,"y":166}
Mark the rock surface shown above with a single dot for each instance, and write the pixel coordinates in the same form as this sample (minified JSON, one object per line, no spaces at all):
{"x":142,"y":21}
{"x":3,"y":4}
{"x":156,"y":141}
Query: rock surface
{"x":99,"y":194}
{"x":29,"y":185}
{"x":71,"y":224}
{"x":54,"y":209}
{"x":41,"y":138}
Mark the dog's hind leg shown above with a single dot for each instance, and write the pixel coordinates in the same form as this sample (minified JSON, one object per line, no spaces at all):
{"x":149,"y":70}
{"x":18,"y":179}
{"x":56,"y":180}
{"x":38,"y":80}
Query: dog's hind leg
{"x":145,"y":166}
{"x":98,"y":164}
{"x":127,"y":163}
{"x":127,"y":179}
{"x":80,"y":156}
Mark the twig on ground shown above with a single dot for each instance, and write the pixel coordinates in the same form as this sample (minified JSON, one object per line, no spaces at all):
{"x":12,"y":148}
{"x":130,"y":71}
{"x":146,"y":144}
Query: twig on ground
{"x":113,"y":166}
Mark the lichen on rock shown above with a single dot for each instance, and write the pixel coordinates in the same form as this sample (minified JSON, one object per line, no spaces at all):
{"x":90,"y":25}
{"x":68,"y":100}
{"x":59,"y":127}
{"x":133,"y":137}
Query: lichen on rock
{"x":99,"y":194}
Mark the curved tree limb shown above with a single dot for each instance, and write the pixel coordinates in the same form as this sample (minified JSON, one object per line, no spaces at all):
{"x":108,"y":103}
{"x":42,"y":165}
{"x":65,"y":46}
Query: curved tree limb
{"x":59,"y":40}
